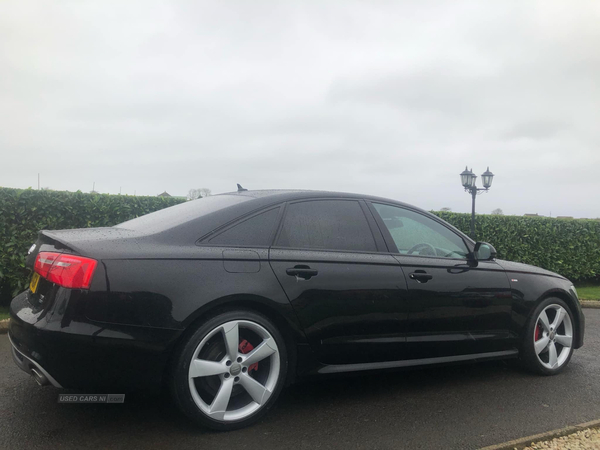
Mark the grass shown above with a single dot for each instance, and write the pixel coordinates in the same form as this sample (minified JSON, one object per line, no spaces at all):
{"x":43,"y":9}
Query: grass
{"x":588,"y":291}
{"x":3,"y":312}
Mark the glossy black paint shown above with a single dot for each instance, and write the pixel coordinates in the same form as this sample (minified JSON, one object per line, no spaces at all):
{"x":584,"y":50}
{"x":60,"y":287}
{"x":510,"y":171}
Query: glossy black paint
{"x":355,"y":310}
{"x":338,"y":310}
{"x":462,"y":310}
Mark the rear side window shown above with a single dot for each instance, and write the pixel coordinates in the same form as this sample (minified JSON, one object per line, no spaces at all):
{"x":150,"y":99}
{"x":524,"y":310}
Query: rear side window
{"x":326,"y":224}
{"x":256,"y":231}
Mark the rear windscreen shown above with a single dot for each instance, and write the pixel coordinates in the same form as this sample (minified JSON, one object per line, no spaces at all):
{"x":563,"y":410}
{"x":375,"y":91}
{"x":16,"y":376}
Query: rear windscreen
{"x":176,"y":215}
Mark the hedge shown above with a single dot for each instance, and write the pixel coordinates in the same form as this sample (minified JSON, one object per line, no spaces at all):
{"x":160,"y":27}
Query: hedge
{"x":23,"y":212}
{"x":570,"y":247}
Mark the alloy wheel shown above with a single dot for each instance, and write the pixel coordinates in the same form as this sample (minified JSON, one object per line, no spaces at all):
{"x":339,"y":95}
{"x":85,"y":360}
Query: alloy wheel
{"x":234,"y":370}
{"x":553,"y":336}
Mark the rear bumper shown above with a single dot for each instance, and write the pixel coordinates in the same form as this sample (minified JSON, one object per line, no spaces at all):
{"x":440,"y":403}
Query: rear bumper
{"x":29,"y":366}
{"x":62,"y":347}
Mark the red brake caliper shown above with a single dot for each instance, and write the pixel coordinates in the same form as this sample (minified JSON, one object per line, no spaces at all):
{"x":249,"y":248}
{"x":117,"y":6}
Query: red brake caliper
{"x":247,"y":347}
{"x":538,"y":332}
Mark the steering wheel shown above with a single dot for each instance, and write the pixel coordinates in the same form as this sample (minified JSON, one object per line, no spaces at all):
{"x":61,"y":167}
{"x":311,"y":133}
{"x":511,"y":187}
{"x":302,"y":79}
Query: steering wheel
{"x":423,"y":245}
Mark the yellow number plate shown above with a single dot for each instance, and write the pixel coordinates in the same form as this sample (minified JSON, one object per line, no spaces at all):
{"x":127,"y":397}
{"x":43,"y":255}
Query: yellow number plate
{"x":34,"y":282}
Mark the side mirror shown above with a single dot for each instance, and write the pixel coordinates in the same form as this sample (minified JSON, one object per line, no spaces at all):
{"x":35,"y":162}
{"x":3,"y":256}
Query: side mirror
{"x":484,"y":252}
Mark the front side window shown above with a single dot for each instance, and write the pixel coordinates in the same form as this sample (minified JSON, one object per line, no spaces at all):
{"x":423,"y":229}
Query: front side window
{"x":417,"y":234}
{"x":326,"y":224}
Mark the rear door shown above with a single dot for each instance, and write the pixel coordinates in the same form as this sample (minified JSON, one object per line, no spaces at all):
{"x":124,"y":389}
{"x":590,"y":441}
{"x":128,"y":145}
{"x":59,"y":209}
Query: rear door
{"x":350,"y":299}
{"x":458,"y":306}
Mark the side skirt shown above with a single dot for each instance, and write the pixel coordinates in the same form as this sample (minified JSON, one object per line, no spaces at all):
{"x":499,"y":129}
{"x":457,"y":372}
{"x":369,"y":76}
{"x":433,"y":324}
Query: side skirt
{"x":340,"y":368}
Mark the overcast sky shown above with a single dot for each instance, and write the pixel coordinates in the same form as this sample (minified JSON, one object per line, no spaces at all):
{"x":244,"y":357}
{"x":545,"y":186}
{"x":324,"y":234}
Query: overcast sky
{"x":385,"y":98}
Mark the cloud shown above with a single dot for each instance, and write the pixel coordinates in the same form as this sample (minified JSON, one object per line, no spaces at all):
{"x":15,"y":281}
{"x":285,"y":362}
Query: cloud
{"x":385,"y":98}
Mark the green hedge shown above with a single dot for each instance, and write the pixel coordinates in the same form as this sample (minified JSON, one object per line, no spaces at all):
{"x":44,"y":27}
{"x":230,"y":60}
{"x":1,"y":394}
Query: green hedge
{"x":570,"y":247}
{"x":23,"y":212}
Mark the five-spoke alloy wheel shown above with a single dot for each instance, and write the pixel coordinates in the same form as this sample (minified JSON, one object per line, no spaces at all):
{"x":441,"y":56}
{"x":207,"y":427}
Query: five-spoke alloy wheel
{"x":234,"y":367}
{"x":549,"y":342}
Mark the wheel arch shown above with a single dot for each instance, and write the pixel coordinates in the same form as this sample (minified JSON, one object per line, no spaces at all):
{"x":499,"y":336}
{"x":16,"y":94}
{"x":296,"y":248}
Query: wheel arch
{"x":281,"y":315}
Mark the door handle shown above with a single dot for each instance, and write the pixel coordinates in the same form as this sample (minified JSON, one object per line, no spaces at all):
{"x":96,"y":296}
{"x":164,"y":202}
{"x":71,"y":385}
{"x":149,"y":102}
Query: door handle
{"x":420,"y":276}
{"x":302,"y":272}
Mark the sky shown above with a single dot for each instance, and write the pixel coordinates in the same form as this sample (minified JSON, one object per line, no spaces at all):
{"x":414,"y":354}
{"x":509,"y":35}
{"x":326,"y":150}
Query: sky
{"x":389,"y":98}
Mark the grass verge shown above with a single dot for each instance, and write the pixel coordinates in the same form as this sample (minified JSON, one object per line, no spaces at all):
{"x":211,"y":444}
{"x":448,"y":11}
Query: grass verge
{"x":3,"y":312}
{"x":588,"y":291}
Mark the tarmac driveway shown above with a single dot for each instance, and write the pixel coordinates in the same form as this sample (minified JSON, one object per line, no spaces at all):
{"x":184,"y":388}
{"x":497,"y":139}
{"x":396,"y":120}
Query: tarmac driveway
{"x":466,"y":406}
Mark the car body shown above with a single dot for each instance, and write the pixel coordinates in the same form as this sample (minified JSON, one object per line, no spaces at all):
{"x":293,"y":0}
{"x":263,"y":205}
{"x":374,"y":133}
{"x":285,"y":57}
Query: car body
{"x":332,"y":271}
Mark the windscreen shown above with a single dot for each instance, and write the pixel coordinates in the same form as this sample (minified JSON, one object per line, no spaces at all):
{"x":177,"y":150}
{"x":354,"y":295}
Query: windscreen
{"x":176,"y":215}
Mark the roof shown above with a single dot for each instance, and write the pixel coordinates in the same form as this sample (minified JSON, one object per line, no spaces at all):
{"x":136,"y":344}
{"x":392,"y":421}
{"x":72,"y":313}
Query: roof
{"x":281,"y":195}
{"x":264,"y":198}
{"x":147,"y":236}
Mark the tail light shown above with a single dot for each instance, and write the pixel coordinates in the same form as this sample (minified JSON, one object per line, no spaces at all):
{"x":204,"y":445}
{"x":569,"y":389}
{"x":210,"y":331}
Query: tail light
{"x":69,"y":271}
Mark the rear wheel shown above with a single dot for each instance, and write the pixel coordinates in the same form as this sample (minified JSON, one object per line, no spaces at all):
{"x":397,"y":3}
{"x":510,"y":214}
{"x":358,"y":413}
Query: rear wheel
{"x":548,"y":344}
{"x":230,"y":371}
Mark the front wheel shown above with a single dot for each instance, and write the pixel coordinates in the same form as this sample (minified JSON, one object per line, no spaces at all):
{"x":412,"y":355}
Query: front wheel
{"x":548,"y":344}
{"x":230,"y":371}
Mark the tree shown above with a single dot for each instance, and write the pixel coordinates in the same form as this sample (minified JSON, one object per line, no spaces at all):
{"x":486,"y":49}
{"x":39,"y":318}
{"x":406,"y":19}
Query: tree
{"x":497,"y":212}
{"x":445,"y":208}
{"x":193,"y":194}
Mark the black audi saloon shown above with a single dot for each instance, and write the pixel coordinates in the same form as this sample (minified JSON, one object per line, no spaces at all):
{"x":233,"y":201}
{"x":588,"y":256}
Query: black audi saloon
{"x":224,"y":300}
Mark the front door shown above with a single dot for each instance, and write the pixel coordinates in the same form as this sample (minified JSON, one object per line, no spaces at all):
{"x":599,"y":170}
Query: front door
{"x":458,"y":306}
{"x":351,"y":300}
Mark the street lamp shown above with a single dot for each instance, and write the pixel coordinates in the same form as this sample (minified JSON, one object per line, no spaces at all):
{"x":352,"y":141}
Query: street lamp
{"x":468,"y":179}
{"x":486,"y":178}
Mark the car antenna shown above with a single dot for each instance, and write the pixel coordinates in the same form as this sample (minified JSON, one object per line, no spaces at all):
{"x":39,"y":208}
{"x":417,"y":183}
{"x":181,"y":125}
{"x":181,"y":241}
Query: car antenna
{"x":240,"y":188}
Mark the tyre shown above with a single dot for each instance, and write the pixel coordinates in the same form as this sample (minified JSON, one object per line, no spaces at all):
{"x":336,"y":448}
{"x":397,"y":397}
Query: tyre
{"x":548,"y":342}
{"x":230,"y":371}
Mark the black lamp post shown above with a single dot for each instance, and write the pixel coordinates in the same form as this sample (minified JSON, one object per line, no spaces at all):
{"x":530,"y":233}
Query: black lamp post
{"x":468,"y":178}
